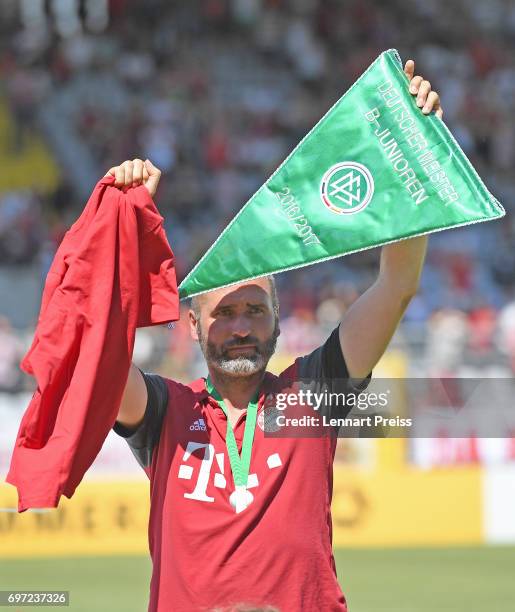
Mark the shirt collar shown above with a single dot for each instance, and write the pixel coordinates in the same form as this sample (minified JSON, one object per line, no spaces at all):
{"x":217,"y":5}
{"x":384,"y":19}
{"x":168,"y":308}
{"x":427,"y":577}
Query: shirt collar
{"x":268,"y":385}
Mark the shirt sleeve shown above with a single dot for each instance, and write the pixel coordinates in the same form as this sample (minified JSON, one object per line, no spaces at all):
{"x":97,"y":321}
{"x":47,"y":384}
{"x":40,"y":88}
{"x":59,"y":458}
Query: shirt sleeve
{"x":327,"y":363}
{"x":325,"y":370}
{"x":145,"y":437}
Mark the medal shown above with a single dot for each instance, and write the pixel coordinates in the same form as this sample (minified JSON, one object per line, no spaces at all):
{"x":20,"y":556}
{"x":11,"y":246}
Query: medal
{"x":241,"y":497}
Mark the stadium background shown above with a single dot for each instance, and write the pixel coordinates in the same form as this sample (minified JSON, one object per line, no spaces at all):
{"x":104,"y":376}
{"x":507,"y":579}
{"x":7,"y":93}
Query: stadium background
{"x":216,"y":93}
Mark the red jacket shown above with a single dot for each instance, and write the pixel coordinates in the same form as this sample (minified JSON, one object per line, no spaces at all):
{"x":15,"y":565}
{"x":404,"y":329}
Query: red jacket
{"x":113,"y":272}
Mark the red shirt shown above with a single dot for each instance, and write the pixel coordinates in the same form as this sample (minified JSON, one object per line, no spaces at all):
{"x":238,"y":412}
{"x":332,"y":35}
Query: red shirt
{"x":114,"y":271}
{"x":278,"y":551}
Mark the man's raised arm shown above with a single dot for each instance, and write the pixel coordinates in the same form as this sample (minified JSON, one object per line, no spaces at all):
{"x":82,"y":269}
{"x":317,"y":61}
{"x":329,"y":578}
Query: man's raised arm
{"x":134,"y":400}
{"x":369,"y":324}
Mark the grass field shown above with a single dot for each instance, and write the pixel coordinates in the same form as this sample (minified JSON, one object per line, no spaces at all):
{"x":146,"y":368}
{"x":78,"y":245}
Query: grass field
{"x":411,"y":580}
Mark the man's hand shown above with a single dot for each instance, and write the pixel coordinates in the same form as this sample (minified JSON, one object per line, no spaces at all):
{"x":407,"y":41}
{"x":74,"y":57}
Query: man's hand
{"x":136,"y":172}
{"x":427,"y":100}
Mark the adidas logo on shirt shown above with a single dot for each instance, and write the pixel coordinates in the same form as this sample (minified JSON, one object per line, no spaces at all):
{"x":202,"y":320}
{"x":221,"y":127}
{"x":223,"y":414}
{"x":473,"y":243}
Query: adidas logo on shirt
{"x":198,"y":425}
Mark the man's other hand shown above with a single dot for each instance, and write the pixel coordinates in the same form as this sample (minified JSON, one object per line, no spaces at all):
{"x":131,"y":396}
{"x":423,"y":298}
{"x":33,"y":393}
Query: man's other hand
{"x":427,"y":100}
{"x":136,"y":172}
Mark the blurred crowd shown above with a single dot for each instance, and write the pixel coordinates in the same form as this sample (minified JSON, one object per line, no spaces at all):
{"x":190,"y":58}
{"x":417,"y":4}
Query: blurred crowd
{"x":217,"y":92}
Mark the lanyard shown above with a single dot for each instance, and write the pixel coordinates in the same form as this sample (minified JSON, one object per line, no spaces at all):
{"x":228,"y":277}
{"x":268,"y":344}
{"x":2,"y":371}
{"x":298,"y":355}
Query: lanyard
{"x":239,"y":465}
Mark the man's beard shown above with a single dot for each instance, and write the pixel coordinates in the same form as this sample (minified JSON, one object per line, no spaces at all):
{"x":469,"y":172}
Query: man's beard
{"x":242,"y":365}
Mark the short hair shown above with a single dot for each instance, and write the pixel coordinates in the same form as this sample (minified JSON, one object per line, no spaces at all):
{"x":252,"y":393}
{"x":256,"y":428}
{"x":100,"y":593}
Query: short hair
{"x":195,"y":300}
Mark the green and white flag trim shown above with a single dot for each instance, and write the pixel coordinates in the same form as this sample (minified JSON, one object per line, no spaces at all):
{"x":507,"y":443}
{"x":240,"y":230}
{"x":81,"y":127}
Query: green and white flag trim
{"x":372,"y":171}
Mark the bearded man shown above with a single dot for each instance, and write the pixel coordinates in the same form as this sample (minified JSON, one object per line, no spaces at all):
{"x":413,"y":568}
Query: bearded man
{"x":236,"y":515}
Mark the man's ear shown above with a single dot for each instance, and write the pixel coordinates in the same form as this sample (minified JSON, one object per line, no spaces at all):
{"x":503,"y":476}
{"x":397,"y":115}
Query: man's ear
{"x":277,"y":328}
{"x":193,"y":325}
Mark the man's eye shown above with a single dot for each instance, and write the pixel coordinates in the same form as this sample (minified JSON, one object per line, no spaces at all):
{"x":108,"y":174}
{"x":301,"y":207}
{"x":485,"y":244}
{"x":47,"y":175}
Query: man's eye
{"x":256,"y":310}
{"x":223,"y":313}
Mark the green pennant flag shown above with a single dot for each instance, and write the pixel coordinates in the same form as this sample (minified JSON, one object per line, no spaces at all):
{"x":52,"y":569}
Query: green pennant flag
{"x":373,"y":170}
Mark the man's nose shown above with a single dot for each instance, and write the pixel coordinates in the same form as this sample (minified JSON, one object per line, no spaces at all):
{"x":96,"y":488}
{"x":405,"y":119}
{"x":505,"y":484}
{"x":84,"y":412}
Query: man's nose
{"x":241,"y":327}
